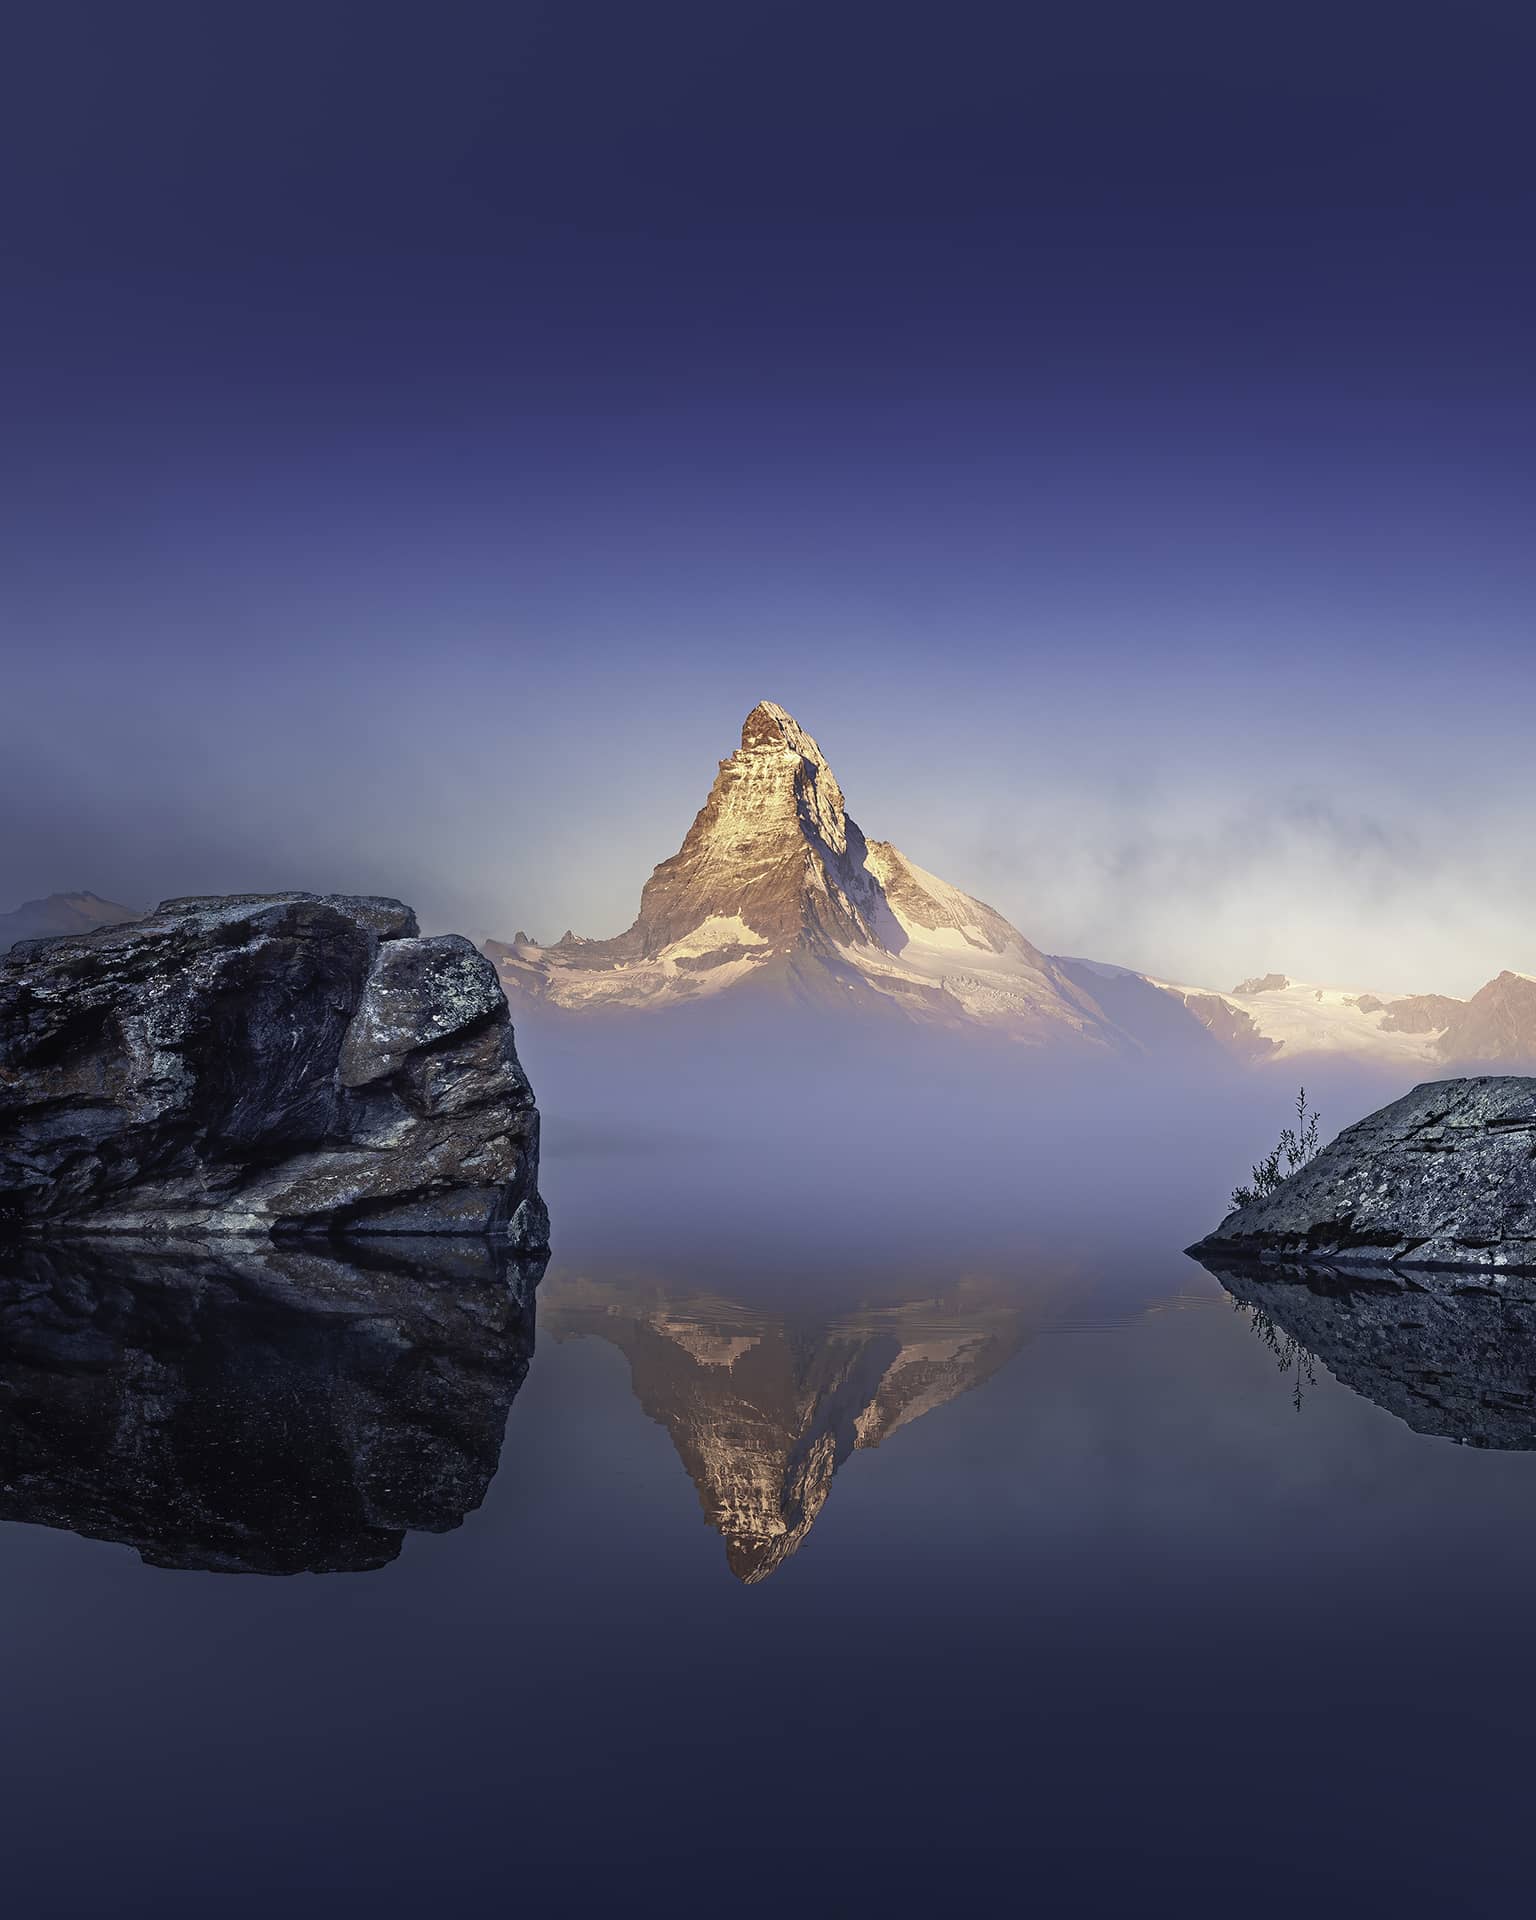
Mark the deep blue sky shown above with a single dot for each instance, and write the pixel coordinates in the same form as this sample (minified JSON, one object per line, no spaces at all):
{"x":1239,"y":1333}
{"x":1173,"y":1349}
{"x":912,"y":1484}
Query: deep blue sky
{"x":427,"y":431}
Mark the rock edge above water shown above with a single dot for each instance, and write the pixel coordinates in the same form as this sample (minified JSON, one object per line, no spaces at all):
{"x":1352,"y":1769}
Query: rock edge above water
{"x":1443,"y":1178}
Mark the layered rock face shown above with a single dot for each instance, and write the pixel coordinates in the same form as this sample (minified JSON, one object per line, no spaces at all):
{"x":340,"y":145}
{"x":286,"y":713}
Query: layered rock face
{"x":242,"y":1407}
{"x":1445,"y":1177}
{"x":1457,"y":1362}
{"x":284,"y":1063}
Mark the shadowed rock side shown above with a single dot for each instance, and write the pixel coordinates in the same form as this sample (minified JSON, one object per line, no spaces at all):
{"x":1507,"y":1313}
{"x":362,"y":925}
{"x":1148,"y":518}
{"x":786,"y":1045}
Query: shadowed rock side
{"x":263,"y":1062}
{"x":764,"y":1408}
{"x":250,"y":1408}
{"x":1457,"y":1361}
{"x":1445,"y":1177}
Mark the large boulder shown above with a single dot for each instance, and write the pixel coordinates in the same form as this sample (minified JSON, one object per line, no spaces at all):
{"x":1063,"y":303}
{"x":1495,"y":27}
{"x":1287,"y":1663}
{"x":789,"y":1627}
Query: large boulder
{"x":1445,"y":1177}
{"x":263,"y":1063}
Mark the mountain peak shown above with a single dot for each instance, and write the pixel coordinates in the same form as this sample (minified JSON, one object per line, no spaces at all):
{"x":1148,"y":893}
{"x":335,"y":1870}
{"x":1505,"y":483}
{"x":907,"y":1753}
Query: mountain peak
{"x":770,"y":725}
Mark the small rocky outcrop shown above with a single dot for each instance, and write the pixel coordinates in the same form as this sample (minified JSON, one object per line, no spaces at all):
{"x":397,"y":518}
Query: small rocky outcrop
{"x":1445,"y":1177}
{"x":239,"y":1406}
{"x":263,"y":1063}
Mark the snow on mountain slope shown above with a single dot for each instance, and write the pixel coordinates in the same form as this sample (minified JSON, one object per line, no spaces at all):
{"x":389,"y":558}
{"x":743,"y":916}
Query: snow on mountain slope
{"x":1271,"y":1018}
{"x":776,"y":888}
{"x":1276,"y":1018}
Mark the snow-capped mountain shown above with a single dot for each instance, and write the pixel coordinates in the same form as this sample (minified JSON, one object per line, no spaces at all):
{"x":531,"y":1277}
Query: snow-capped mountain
{"x":776,"y":888}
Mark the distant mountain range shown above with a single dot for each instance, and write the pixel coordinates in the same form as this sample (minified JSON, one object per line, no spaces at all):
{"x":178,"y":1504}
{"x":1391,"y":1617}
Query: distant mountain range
{"x":62,"y":913}
{"x":1272,"y":1017}
{"x":777,"y":892}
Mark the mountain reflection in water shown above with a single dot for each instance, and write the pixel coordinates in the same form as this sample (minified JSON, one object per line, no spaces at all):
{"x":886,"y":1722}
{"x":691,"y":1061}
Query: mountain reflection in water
{"x":255,"y":1408}
{"x":1449,"y":1358}
{"x":278,"y":1409}
{"x":764,"y":1407}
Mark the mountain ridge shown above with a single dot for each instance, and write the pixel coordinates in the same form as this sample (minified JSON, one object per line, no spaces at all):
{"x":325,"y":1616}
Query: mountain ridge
{"x":62,"y":913}
{"x":776,"y":890}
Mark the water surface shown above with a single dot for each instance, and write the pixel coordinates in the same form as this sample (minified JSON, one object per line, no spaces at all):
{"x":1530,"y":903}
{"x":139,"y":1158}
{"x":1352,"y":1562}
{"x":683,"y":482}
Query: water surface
{"x":819,"y":1569}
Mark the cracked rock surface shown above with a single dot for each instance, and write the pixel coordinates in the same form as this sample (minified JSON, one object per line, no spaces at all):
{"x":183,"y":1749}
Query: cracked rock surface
{"x":1445,"y":1177}
{"x":263,"y":1063}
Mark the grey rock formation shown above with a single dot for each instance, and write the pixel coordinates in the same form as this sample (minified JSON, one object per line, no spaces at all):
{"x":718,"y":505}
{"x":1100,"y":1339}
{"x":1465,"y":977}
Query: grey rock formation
{"x":1445,"y":1177}
{"x":1454,"y":1360}
{"x":257,"y":1063}
{"x":1262,"y":983}
{"x":244,"y":1407}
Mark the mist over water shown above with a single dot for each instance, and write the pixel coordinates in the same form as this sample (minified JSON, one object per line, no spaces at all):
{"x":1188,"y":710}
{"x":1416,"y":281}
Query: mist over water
{"x":806,"y":1154}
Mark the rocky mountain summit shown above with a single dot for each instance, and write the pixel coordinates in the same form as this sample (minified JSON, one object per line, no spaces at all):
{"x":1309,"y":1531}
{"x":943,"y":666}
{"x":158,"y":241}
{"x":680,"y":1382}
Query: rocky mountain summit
{"x":1443,"y":1178}
{"x":777,"y":889}
{"x":263,"y":1063}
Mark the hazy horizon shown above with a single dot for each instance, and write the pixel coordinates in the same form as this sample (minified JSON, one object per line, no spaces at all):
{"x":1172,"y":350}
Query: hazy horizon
{"x":1311,"y":884}
{"x":1111,"y":442}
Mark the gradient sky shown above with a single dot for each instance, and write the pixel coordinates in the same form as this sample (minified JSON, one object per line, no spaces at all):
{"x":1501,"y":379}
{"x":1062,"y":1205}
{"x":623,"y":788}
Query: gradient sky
{"x":427,"y":431}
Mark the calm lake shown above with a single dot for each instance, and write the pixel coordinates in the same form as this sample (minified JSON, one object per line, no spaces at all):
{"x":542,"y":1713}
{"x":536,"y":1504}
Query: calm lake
{"x":833,"y":1560}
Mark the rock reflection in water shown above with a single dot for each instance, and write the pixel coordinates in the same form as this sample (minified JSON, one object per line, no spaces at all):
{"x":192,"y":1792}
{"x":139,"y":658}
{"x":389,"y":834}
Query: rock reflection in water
{"x":1453,"y":1359}
{"x":254,"y":1408}
{"x":764,"y":1407}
